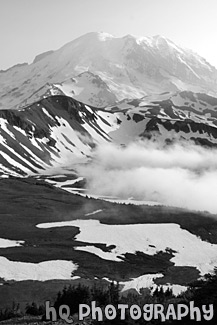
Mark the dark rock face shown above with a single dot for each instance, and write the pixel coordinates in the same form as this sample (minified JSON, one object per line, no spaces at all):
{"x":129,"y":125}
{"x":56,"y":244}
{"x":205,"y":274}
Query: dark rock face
{"x":186,"y":127}
{"x":172,"y":117}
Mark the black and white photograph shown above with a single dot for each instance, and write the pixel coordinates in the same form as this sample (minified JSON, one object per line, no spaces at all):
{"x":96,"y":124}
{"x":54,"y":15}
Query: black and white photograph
{"x":108,"y":162}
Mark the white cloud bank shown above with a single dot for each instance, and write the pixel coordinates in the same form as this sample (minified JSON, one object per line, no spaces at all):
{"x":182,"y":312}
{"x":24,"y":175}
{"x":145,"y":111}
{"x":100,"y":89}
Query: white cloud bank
{"x":183,"y":175}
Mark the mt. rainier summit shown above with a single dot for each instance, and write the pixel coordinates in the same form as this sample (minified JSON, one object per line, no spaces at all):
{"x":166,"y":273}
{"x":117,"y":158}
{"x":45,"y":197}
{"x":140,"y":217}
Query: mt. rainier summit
{"x":115,"y":68}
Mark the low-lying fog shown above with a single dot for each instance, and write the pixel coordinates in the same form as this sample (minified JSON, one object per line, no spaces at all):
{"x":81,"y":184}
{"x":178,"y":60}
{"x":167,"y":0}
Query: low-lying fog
{"x":183,"y":175}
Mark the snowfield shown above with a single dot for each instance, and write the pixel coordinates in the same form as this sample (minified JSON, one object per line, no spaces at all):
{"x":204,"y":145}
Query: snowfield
{"x":20,"y":271}
{"x":5,"y":243}
{"x":147,"y":281}
{"x":48,"y":270}
{"x":94,"y":212}
{"x":146,"y":238}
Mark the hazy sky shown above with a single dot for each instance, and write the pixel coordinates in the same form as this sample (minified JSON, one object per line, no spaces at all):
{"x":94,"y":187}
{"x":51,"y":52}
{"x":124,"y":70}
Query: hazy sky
{"x":30,"y":27}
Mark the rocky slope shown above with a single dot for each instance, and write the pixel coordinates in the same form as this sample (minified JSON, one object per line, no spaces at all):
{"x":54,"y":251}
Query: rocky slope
{"x":58,"y":131}
{"x":85,"y":87}
{"x":168,"y":117}
{"x":53,"y":133}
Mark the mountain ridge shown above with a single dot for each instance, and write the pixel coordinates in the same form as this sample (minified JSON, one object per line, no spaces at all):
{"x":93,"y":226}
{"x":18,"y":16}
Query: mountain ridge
{"x":59,"y":131}
{"x":130,"y":67}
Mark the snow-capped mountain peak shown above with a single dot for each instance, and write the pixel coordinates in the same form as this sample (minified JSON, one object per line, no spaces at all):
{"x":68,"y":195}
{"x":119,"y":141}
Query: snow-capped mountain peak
{"x":129,"y":66}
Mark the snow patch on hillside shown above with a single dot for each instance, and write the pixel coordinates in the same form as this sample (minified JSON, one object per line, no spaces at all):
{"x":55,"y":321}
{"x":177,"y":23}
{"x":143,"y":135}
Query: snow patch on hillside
{"x":94,"y":212}
{"x":5,"y":243}
{"x":147,"y":281}
{"x":44,"y":271}
{"x":146,"y":238}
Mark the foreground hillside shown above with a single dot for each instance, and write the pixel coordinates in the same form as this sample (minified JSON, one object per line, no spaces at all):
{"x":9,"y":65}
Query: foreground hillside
{"x":26,"y":203}
{"x":188,"y":308}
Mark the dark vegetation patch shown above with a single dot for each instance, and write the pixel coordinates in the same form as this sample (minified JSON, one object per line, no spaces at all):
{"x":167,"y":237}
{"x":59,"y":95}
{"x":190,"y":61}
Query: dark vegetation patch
{"x":167,"y":105}
{"x":138,"y":117}
{"x":60,"y":178}
{"x":33,"y":201}
{"x":188,"y":95}
{"x":185,"y":126}
{"x":118,"y":121}
{"x":24,"y":292}
{"x":182,"y":275}
{"x":154,"y":111}
{"x":204,"y":142}
{"x":202,"y":103}
{"x":134,"y":102}
{"x":202,"y":292}
{"x":148,"y":263}
{"x":207,"y":99}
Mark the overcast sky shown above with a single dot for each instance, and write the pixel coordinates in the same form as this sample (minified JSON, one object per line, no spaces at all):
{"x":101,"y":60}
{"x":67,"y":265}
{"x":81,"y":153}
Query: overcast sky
{"x":30,"y":27}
